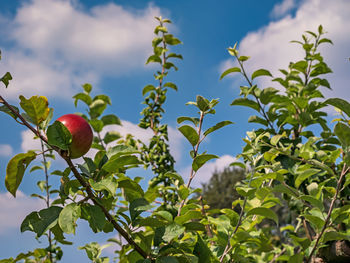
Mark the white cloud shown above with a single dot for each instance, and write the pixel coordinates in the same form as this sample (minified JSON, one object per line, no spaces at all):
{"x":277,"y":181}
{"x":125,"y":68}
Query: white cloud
{"x":28,"y":141}
{"x":270,"y":47}
{"x":206,"y":171}
{"x":283,"y":8}
{"x":14,"y":210}
{"x":132,"y":128}
{"x":58,"y":45}
{"x":6,"y":150}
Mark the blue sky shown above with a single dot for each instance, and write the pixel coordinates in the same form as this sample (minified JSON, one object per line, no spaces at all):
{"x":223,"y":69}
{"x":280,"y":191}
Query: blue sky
{"x":51,"y":47}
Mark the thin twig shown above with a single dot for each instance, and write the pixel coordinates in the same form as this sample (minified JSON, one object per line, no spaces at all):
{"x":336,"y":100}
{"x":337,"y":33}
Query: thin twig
{"x":256,"y":98}
{"x":331,"y":207}
{"x":195,"y":152}
{"x":47,"y":193}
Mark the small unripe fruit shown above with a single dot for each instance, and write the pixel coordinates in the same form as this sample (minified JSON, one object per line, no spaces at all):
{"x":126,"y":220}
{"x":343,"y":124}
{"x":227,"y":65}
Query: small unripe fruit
{"x":82,"y":135}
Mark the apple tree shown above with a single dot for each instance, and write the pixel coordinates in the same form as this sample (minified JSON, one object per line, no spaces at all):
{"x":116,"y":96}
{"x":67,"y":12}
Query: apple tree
{"x":292,"y":204}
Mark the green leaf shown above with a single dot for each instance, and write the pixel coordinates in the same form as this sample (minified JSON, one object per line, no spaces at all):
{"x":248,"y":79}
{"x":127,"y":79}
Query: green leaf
{"x":132,"y":190}
{"x":267,"y":94}
{"x":58,"y":135}
{"x":229,"y":71}
{"x":343,"y":133}
{"x":165,"y":215}
{"x":103,"y":97}
{"x":40,"y":222}
{"x":111,"y":136}
{"x":174,"y":55}
{"x":296,"y":258}
{"x":160,"y":29}
{"x":319,"y":69}
{"x":4,"y":108}
{"x":304,"y":175}
{"x":87,"y":87}
{"x":151,"y":222}
{"x":147,"y":89}
{"x":246,"y":102}
{"x":317,"y":221}
{"x":325,"y":40}
{"x":120,"y":150}
{"x":138,"y":206}
{"x":200,"y":160}
{"x":202,"y":251}
{"x":36,"y":108}
{"x":261,"y":72}
{"x":239,"y":164}
{"x":188,"y":216}
{"x":115,"y":163}
{"x":170,"y":85}
{"x":190,"y":134}
{"x":83,"y":97}
{"x":183,"y":192}
{"x":6,"y":79}
{"x":195,"y":121}
{"x":263,"y":211}
{"x":15,"y":170}
{"x":156,"y":41}
{"x":95,"y":217}
{"x":97,"y":107}
{"x":217,"y":126}
{"x":275,"y":139}
{"x":202,"y":103}
{"x":154,"y":59}
{"x":68,"y":217}
{"x":108,"y":184}
{"x":110,"y":119}
{"x":169,"y":65}
{"x":96,"y":124}
{"x":171,"y":40}
{"x":300,"y":66}
{"x":256,"y":119}
{"x":334,"y":235}
{"x":313,"y":201}
{"x":172,"y":231}
{"x":243,"y":58}
{"x":167,"y":259}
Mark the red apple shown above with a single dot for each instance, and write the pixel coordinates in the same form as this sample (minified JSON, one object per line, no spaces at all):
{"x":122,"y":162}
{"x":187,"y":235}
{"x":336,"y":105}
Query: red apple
{"x":81,"y":134}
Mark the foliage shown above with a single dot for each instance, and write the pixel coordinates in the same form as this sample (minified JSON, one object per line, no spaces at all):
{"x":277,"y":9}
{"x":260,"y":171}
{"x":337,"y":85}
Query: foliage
{"x":287,"y":163}
{"x":219,"y":192}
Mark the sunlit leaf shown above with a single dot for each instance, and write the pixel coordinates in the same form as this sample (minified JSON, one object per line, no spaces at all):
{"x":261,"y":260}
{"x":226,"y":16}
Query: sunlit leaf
{"x":15,"y":170}
{"x":229,"y":71}
{"x":190,"y":134}
{"x":6,"y":79}
{"x":217,"y":126}
{"x":261,"y":72}
{"x":68,"y":217}
{"x":200,"y":160}
{"x":58,"y":135}
{"x":263,"y":211}
{"x":40,"y":222}
{"x":36,"y":108}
